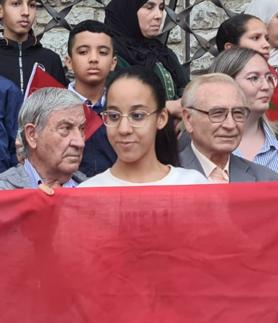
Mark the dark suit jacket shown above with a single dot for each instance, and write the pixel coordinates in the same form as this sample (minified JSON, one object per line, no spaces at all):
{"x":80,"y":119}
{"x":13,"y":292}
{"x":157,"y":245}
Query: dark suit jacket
{"x":240,"y":170}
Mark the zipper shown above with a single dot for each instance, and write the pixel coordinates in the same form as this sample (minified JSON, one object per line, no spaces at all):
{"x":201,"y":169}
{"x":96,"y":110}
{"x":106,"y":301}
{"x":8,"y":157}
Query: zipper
{"x":20,"y":68}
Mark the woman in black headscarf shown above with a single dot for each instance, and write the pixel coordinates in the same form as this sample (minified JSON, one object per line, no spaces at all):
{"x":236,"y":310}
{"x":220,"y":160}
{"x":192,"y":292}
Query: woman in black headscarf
{"x":135,"y":24}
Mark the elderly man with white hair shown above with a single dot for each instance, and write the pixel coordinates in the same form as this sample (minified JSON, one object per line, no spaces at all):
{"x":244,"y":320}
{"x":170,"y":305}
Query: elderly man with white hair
{"x":51,"y":130}
{"x":214,"y":114}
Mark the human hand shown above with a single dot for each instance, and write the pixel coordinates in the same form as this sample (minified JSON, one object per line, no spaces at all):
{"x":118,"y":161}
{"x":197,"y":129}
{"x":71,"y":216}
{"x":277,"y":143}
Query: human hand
{"x":46,"y":189}
{"x":174,"y":108}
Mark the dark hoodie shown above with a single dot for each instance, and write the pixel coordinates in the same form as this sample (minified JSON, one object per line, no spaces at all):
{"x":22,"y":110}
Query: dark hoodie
{"x":17,"y":60}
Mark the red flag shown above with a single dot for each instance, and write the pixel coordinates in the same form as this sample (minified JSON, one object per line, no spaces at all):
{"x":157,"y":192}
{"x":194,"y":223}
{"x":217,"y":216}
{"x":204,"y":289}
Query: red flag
{"x":172,"y":254}
{"x":39,"y":78}
{"x":93,"y":121}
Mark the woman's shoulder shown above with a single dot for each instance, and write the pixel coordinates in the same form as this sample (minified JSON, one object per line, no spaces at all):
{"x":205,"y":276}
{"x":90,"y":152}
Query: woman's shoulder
{"x":99,"y":180}
{"x":180,"y":176}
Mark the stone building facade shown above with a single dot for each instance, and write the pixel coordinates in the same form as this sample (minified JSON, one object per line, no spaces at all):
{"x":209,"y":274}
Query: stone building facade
{"x":204,"y":20}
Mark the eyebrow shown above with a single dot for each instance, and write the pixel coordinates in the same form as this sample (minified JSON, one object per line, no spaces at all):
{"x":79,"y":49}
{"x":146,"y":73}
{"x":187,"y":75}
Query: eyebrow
{"x":133,"y":107}
{"x":98,"y":47}
{"x":63,"y":121}
{"x":71,"y":122}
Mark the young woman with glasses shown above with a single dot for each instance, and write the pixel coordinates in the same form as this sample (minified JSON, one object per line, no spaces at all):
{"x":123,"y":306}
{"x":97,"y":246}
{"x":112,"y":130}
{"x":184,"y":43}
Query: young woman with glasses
{"x":252,"y":73}
{"x":135,"y":118}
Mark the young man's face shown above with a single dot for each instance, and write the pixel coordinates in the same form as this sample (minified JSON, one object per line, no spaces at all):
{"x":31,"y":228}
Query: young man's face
{"x":92,"y":58}
{"x":18,"y":17}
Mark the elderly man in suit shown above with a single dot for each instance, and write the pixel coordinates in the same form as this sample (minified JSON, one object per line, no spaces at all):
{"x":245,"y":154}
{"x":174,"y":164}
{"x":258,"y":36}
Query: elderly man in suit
{"x":214,"y":114}
{"x":51,"y":130}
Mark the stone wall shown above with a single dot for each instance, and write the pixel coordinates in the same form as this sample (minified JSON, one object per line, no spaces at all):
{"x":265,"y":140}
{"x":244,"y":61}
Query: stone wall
{"x":204,"y":19}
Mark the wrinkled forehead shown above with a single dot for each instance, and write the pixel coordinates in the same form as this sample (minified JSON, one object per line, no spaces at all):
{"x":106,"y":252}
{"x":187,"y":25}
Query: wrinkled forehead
{"x":73,"y":113}
{"x":222,"y":94}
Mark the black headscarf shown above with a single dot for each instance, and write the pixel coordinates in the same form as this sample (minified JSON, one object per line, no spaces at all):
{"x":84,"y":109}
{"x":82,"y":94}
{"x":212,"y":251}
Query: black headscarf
{"x":121,"y":17}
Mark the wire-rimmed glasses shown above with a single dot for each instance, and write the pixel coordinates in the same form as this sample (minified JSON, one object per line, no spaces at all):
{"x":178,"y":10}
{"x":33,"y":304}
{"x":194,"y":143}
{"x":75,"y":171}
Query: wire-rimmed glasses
{"x":136,"y":118}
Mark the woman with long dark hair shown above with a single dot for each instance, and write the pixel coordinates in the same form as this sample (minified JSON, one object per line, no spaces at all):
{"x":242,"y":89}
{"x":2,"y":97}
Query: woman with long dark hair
{"x":135,"y":115}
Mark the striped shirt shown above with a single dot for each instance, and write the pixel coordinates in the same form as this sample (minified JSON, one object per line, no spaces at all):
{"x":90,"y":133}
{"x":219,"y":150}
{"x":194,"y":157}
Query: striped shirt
{"x":268,"y":154}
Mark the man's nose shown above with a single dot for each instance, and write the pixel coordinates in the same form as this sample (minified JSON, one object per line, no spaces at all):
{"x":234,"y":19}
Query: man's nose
{"x":78,"y":139}
{"x":229,"y":122}
{"x":25,"y":9}
{"x":93,"y":57}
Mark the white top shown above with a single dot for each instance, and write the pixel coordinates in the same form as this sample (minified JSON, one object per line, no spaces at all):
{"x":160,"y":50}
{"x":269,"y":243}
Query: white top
{"x":176,"y":176}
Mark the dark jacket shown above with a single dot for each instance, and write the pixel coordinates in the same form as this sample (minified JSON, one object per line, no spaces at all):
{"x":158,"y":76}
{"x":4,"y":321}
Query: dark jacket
{"x":17,"y":60}
{"x":98,"y":154}
{"x":10,"y":102}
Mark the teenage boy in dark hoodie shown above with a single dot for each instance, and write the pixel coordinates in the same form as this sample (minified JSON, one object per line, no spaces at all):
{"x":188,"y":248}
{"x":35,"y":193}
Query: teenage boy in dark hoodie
{"x":19,"y":48}
{"x":92,"y":58}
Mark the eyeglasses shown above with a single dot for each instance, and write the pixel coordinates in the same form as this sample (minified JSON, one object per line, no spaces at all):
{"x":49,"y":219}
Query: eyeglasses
{"x":136,"y":118}
{"x":257,"y":81}
{"x":220,"y":114}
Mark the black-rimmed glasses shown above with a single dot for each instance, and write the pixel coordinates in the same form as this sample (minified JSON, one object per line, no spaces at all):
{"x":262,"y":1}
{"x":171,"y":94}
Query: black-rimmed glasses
{"x":136,"y":118}
{"x":220,"y":114}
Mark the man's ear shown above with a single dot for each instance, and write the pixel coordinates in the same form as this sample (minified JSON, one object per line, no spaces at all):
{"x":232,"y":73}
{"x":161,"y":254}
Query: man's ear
{"x":187,"y":120}
{"x":68,"y":62}
{"x":228,"y":45}
{"x":162,"y":119}
{"x":114,"y":63}
{"x":31,"y":135}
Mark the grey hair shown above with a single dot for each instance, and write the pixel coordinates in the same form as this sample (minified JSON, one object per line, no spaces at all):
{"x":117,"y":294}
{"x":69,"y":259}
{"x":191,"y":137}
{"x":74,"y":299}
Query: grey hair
{"x":232,"y":61}
{"x":37,"y":108}
{"x":190,"y":96}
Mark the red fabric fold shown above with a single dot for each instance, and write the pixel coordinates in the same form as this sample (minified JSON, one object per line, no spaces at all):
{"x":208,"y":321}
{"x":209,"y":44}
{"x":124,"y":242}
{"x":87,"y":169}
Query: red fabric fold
{"x":203,"y":253}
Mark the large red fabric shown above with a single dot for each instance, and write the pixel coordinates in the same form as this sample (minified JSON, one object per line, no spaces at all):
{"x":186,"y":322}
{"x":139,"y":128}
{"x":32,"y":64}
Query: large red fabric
{"x":179,"y":254}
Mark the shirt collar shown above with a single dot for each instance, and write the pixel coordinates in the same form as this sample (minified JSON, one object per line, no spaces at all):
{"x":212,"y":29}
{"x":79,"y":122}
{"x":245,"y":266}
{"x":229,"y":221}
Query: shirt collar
{"x":36,"y":179}
{"x":207,"y":165}
{"x":270,"y":138}
{"x":98,"y":106}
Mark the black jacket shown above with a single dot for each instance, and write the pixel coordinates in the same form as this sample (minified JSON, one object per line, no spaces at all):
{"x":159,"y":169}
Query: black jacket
{"x":17,"y":60}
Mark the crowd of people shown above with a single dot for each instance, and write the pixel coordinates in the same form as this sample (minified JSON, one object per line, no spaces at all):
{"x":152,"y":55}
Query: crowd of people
{"x":138,"y":89}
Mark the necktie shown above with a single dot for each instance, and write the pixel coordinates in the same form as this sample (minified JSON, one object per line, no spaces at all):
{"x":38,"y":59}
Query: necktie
{"x":218,"y":176}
